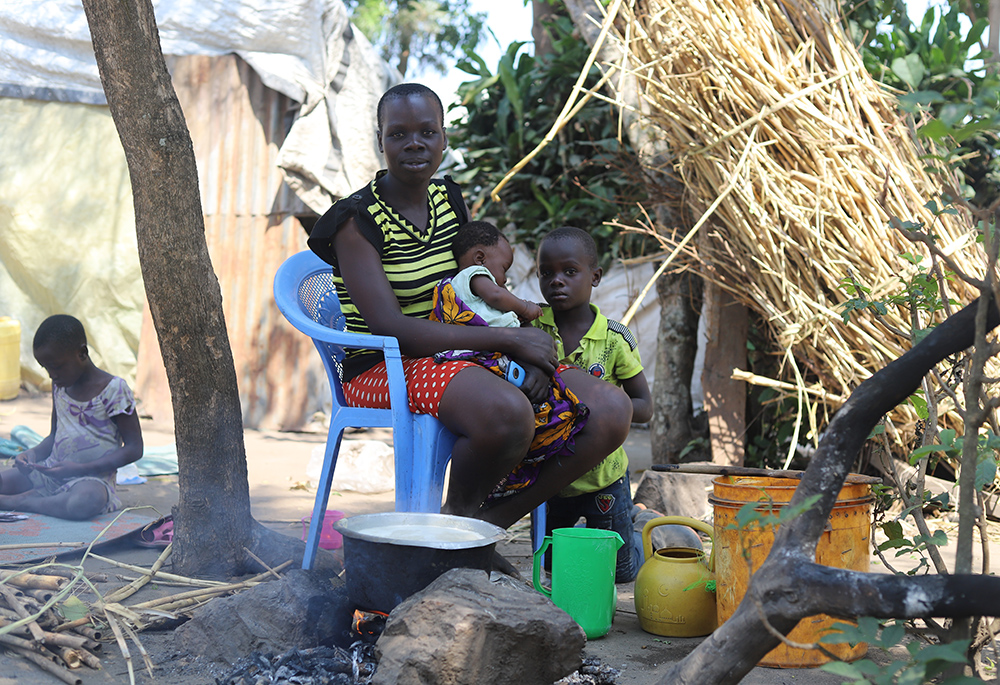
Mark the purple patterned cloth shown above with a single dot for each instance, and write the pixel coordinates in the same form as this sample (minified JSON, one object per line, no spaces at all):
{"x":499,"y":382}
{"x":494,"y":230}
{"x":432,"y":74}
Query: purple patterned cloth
{"x":557,"y":420}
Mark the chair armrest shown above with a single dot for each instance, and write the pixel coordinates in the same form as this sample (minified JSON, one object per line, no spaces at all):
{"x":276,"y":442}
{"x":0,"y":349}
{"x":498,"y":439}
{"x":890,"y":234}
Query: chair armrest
{"x":317,"y":331}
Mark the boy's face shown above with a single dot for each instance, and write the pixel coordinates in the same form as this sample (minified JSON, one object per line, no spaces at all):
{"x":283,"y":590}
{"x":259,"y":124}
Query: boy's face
{"x":565,"y":274}
{"x":64,"y":366}
{"x":412,"y":138}
{"x":496,"y":258}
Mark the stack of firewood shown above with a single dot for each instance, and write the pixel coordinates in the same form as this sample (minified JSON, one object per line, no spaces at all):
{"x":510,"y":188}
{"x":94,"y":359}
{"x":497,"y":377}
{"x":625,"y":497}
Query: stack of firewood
{"x":39,"y":634}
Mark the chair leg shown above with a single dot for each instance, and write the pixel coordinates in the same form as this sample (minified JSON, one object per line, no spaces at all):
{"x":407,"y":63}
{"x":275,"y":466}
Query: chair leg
{"x":322,"y":495}
{"x":538,"y":526}
{"x":420,"y":474}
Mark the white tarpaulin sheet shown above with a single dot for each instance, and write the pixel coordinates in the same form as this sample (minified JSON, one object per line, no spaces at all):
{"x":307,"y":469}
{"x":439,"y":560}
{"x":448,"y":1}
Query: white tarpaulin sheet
{"x":306,"y":49}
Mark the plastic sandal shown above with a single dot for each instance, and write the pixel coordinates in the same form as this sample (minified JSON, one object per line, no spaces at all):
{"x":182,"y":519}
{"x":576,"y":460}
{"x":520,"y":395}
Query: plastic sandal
{"x":159,"y":533}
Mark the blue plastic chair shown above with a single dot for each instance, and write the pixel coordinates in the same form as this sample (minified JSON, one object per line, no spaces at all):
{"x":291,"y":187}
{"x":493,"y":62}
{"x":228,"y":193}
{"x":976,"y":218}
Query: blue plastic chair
{"x":306,"y":296}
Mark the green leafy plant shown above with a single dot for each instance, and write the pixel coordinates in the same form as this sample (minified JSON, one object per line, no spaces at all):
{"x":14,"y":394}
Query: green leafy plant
{"x":586,"y":178}
{"x":924,"y":663}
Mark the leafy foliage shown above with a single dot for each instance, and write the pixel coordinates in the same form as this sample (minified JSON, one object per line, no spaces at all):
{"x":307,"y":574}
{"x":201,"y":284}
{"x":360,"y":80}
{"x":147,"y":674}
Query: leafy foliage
{"x":586,"y":177}
{"x":942,"y":73}
{"x":924,"y":661}
{"x":430,"y":33}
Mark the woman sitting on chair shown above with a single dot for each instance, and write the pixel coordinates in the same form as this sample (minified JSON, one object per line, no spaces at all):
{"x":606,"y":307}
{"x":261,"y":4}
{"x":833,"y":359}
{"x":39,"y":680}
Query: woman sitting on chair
{"x":390,"y":244}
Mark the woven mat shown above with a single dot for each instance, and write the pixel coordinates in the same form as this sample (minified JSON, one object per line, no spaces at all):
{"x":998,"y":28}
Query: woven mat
{"x":41,"y":532}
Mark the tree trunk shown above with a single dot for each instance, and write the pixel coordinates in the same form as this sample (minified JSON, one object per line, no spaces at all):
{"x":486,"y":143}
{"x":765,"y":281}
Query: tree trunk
{"x":671,"y":428}
{"x":212,"y":518}
{"x":541,"y":10}
{"x":789,"y":584}
{"x":726,"y":327}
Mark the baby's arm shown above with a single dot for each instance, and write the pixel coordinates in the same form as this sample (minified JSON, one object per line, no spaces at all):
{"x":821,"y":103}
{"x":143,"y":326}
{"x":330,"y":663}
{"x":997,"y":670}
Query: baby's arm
{"x":637,"y":388}
{"x":130,"y":451}
{"x":502,"y":299}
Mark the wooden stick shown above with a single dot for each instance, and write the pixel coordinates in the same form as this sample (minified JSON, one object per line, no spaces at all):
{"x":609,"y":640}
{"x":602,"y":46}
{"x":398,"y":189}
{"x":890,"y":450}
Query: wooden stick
{"x":261,"y":562}
{"x":18,"y":607}
{"x":31,"y":580}
{"x":69,"y":625}
{"x":43,"y":545}
{"x":43,"y":662}
{"x":133,"y":587}
{"x":170,"y":576}
{"x":69,"y":656}
{"x":720,"y":470}
{"x":89,"y":658}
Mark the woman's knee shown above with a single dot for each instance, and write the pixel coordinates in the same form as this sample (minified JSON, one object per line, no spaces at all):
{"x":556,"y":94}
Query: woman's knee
{"x":493,"y":411}
{"x":610,"y":410}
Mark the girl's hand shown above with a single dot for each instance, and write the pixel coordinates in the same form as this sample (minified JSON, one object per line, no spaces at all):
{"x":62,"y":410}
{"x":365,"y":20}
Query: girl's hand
{"x":63,"y":471}
{"x":24,"y":462}
{"x":535,"y":347}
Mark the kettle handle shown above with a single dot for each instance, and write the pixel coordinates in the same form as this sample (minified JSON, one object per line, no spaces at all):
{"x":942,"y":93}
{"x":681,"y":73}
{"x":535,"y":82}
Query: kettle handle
{"x":647,"y":531}
{"x":536,"y":569}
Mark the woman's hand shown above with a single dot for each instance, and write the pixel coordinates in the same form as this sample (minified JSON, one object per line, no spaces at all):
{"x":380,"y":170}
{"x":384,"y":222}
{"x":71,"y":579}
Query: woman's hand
{"x":535,"y":347}
{"x":536,"y":384}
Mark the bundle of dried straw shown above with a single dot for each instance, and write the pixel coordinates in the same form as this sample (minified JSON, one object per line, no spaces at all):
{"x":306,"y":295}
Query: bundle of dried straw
{"x":800,"y":159}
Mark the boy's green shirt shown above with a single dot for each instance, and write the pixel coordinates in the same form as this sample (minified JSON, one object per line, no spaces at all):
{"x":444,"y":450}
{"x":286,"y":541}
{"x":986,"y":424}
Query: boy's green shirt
{"x":608,"y":350}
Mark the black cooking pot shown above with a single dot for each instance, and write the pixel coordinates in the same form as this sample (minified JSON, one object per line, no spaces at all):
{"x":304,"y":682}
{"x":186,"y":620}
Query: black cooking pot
{"x":392,"y":555}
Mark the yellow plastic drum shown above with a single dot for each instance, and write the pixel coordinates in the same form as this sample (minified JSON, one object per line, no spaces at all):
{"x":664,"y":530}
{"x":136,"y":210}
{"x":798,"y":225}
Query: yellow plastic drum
{"x":844,"y":544}
{"x":10,"y":358}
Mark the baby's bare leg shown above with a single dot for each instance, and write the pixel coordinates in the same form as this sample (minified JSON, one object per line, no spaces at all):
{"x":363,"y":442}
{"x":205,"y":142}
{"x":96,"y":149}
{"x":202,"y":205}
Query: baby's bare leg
{"x":84,"y":500}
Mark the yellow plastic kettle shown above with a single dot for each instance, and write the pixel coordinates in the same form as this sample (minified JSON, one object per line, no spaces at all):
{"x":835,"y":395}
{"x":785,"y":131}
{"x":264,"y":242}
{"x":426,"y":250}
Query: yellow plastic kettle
{"x":675,"y":588}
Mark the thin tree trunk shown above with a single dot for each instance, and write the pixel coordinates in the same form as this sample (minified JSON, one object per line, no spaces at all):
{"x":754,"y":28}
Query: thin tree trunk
{"x":212,"y":518}
{"x":671,"y":429}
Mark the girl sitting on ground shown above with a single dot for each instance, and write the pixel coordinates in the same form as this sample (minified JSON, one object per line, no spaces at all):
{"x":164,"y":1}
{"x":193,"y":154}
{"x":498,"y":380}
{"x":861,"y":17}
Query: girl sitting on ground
{"x":95,"y":431}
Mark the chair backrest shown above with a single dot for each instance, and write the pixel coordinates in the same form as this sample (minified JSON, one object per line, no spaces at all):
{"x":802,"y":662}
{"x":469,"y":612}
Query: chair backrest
{"x":316,"y":296}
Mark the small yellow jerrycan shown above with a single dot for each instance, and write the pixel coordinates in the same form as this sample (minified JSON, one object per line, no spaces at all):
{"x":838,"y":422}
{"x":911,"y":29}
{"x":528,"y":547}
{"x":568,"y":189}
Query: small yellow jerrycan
{"x":675,"y":588}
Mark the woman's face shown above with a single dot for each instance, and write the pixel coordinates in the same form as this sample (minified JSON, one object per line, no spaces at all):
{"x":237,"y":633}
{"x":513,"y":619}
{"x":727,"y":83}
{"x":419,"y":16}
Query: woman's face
{"x":412,"y":138}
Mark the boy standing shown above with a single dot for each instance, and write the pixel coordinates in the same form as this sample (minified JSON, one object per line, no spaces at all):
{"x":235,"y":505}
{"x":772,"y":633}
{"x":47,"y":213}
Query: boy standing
{"x":567,"y":273}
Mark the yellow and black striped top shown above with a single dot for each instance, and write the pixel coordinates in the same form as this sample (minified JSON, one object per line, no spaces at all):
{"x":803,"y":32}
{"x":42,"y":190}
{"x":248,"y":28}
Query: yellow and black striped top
{"x":414,"y":261}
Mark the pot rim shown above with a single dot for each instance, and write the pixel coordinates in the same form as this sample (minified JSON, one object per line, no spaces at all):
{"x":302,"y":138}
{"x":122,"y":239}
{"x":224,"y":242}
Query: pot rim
{"x":360,"y":527}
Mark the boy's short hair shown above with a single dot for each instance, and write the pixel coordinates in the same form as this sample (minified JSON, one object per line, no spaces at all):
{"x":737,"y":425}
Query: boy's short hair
{"x":585,"y":240}
{"x":475,"y":233}
{"x":62,"y":330}
{"x":403,"y":90}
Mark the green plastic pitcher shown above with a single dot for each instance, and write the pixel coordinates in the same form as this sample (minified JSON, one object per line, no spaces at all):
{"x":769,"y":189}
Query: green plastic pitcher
{"x":583,"y":575}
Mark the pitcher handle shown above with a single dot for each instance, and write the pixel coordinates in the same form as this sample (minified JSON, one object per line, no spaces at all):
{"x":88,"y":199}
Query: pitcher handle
{"x":536,"y":569}
{"x":647,"y":531}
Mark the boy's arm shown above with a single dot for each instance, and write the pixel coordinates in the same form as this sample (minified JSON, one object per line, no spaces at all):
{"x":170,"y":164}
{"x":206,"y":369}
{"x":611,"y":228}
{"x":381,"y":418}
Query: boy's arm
{"x":637,"y":388}
{"x":502,"y":299}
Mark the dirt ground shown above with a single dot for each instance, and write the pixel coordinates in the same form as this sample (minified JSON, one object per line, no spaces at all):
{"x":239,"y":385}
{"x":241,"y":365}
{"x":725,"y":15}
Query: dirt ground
{"x":280,"y":496}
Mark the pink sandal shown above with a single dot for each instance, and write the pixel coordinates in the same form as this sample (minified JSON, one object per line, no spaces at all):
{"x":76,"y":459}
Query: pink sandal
{"x":159,"y":533}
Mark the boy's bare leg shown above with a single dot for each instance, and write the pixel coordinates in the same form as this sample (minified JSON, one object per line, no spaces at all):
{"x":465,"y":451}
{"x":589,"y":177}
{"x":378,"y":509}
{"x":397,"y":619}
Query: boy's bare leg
{"x":495,"y":424}
{"x":607,"y":427}
{"x":83,"y":501}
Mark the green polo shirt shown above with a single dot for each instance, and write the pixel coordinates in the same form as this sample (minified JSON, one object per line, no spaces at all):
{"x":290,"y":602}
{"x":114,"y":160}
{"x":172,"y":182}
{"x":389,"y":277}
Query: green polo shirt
{"x":608,"y":351}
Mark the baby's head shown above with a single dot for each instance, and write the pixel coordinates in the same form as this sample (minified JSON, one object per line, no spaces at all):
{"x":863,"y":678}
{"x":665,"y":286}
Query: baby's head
{"x":568,"y":268}
{"x":481,"y":243}
{"x":60,"y":347}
